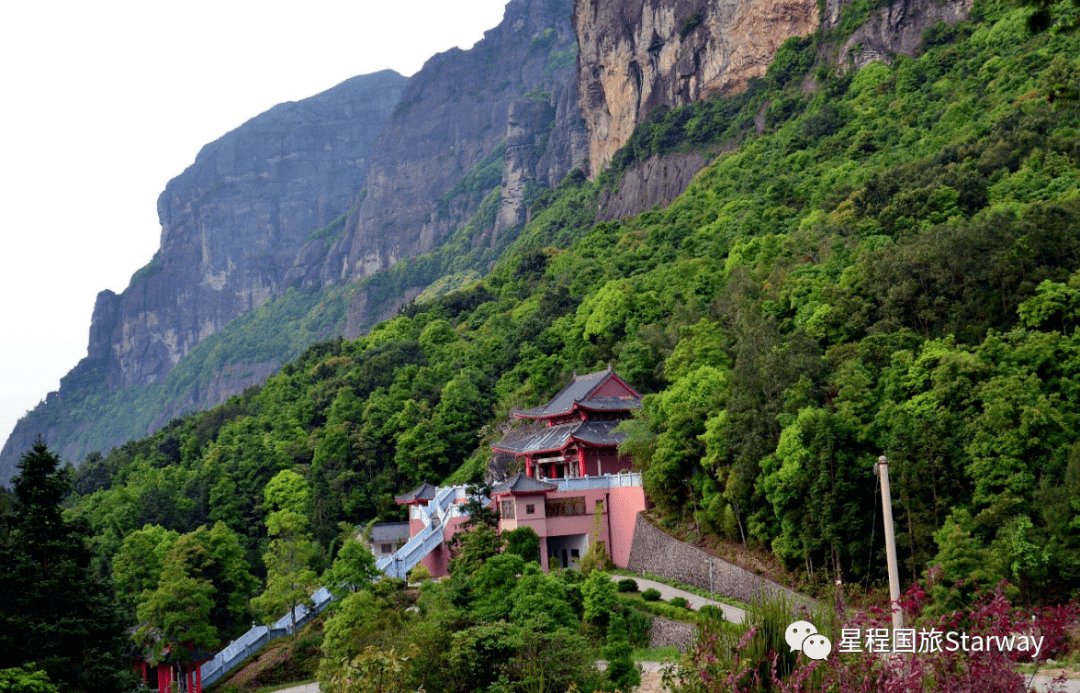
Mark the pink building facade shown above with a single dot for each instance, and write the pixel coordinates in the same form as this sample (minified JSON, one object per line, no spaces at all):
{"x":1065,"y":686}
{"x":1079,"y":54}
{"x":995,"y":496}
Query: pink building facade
{"x":572,"y":514}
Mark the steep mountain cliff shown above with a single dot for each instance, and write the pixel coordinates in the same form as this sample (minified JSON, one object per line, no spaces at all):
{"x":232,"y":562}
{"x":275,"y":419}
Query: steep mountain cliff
{"x":289,"y":210}
{"x":453,"y":114}
{"x":308,"y":211}
{"x":231,"y":224}
{"x":639,"y":60}
{"x":637,"y":56}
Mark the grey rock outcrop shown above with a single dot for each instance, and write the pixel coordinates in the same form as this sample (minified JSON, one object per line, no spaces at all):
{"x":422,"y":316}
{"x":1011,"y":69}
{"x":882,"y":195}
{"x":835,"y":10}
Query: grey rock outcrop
{"x":636,"y":56}
{"x":893,"y":30}
{"x":453,"y":113}
{"x":233,"y":223}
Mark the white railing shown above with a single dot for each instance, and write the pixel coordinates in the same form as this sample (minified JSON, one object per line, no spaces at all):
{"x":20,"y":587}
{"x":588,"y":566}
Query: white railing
{"x":585,"y":483}
{"x":253,"y":640}
{"x":435,"y":516}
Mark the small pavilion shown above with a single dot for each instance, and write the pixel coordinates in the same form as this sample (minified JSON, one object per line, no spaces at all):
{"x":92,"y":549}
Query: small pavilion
{"x":183,"y":676}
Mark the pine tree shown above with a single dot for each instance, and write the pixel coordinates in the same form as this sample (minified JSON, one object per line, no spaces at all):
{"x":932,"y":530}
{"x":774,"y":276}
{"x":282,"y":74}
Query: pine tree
{"x":622,"y":671}
{"x":53,"y":611}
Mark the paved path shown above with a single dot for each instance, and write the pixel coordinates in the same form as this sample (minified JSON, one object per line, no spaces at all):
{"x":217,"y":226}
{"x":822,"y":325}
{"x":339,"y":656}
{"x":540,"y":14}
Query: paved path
{"x":312,"y":687}
{"x":731,"y":613}
{"x":1042,"y":683}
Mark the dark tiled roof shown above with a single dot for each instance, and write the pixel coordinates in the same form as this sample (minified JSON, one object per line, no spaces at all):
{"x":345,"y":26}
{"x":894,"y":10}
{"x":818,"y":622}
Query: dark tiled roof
{"x":610,"y":403}
{"x":424,"y":491}
{"x":389,"y":531}
{"x":519,"y":483}
{"x":550,"y":438}
{"x":599,"y":433}
{"x":556,"y":437}
{"x":579,"y":389}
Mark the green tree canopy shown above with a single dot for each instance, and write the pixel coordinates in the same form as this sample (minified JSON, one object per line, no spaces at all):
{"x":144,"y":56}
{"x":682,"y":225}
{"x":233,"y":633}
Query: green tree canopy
{"x":290,"y":580}
{"x":53,"y":611}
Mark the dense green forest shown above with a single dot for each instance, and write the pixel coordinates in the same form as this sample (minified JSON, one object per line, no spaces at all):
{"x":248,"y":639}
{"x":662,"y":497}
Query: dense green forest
{"x":891,"y":268}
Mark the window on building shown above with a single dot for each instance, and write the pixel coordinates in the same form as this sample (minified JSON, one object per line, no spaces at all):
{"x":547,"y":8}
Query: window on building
{"x":506,"y":509}
{"x":600,"y":506}
{"x":530,"y":509}
{"x":386,"y":548}
{"x":556,"y":507}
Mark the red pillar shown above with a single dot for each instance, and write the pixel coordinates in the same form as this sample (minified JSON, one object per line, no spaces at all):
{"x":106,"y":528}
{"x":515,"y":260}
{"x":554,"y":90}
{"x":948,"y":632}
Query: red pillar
{"x":198,"y":678}
{"x":164,"y":678}
{"x":528,"y":466}
{"x":581,"y":461}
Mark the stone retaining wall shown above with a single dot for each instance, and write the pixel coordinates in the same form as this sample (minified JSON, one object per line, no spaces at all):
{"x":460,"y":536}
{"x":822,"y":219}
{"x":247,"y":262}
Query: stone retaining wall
{"x":667,"y":633}
{"x":654,"y":551}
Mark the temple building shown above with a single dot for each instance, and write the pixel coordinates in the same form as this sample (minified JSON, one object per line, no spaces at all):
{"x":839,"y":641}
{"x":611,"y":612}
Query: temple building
{"x":575,"y":488}
{"x":578,"y":437}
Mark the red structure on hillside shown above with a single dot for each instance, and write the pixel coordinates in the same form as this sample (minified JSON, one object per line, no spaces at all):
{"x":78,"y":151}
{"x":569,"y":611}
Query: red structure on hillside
{"x":173,"y":677}
{"x":578,"y":439}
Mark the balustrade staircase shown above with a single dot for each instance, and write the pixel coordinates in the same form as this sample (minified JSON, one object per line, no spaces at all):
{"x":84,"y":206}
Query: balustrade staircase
{"x":398,"y":565}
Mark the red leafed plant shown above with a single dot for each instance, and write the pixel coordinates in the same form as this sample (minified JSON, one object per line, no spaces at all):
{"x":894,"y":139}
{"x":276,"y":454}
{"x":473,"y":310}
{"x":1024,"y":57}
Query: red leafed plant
{"x":759,"y":660}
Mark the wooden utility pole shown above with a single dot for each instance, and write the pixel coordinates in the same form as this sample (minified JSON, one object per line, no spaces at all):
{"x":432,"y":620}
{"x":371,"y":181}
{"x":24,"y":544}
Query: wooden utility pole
{"x":882,"y":469}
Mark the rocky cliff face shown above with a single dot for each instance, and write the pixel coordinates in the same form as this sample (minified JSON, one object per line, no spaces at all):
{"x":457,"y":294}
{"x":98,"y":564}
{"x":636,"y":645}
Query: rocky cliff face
{"x":233,"y":222}
{"x":893,"y":30}
{"x":326,"y":191}
{"x":231,"y":228}
{"x":636,"y":56}
{"x":453,"y":113}
{"x":544,"y":141}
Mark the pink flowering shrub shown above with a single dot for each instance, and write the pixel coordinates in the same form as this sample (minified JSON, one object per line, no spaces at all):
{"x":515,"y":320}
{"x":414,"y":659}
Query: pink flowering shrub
{"x":753,"y":662}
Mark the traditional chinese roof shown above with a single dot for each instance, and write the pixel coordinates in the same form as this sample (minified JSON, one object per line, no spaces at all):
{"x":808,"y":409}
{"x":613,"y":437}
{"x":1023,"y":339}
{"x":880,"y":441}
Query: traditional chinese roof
{"x":389,"y":532}
{"x":423,"y":492}
{"x":599,"y":391}
{"x":552,"y":438}
{"x":520,"y":484}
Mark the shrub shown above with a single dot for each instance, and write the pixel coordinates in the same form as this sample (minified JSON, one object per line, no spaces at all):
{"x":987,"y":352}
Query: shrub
{"x":712,"y":613}
{"x":680,"y":602}
{"x":651,"y":595}
{"x":419,"y":574}
{"x":627,"y":585}
{"x":638,"y":628}
{"x":692,"y":22}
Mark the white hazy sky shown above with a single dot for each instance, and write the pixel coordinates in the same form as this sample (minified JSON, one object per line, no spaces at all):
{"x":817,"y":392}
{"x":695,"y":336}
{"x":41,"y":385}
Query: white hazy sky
{"x":104,"y":102}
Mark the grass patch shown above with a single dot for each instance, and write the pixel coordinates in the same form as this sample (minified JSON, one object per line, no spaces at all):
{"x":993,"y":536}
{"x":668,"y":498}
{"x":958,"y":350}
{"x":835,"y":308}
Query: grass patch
{"x":661,"y":609}
{"x":688,"y":588}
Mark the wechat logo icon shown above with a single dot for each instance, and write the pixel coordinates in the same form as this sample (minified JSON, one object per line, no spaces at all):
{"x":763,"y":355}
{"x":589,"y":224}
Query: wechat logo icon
{"x":803,"y":636}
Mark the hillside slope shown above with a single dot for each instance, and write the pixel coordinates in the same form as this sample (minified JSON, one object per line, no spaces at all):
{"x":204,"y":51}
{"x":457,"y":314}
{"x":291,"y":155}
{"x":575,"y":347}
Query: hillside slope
{"x":886,"y":262}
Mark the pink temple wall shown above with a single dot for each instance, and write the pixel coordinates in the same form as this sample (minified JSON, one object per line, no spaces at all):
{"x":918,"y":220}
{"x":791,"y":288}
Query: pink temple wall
{"x":437,"y":562}
{"x":625,"y":505}
{"x":621,"y":506}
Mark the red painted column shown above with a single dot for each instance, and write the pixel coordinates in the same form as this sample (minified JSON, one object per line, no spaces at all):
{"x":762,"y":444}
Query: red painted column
{"x":163,"y":678}
{"x":528,"y":466}
{"x":581,"y":461}
{"x":198,"y":678}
